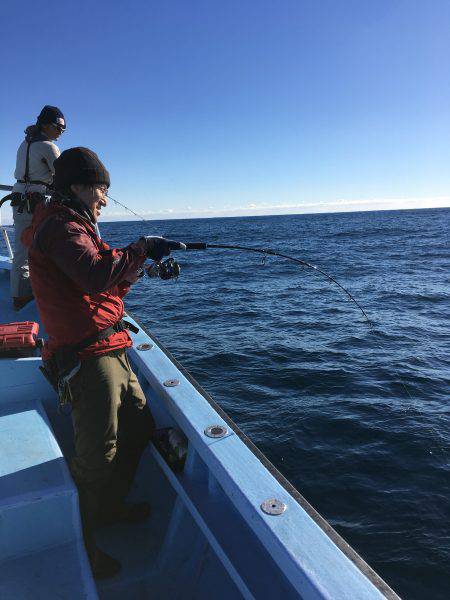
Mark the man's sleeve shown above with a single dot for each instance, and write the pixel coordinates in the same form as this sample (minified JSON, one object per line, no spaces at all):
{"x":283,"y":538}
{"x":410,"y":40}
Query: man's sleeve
{"x":72,"y":249}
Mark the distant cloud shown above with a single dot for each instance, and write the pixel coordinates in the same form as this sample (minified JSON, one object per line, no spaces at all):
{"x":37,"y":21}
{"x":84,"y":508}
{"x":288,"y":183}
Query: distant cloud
{"x":265,"y":208}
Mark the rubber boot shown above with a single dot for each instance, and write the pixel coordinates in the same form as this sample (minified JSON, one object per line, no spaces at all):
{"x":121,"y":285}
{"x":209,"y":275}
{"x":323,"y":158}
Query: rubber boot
{"x":103,"y":565}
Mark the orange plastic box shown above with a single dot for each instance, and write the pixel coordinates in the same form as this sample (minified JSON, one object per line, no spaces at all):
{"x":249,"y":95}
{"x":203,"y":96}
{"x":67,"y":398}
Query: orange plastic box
{"x":18,"y":338}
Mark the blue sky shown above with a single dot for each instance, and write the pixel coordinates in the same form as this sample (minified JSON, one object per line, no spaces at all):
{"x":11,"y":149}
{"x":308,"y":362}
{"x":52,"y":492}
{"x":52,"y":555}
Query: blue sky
{"x":208,"y":108}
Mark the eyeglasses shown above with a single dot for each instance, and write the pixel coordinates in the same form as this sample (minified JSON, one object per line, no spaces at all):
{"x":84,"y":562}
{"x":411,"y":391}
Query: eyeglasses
{"x":60,"y":128}
{"x":102,"y":189}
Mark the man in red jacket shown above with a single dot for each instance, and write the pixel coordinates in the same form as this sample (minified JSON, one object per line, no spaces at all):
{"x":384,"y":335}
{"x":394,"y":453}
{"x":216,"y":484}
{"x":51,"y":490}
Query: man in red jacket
{"x":79,"y":283}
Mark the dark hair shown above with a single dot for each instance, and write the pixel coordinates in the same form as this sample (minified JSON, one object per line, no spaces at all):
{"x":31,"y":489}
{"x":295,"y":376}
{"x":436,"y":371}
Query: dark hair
{"x":32,"y":131}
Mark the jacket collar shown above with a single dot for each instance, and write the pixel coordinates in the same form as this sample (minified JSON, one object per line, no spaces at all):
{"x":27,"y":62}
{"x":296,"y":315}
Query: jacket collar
{"x":80,"y":208}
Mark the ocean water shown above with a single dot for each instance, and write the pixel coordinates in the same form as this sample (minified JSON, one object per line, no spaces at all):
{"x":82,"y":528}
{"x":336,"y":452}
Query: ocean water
{"x":356,"y":418}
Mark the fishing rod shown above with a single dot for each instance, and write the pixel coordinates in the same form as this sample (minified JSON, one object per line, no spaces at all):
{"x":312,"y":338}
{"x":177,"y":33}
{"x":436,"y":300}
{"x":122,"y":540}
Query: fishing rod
{"x":166,"y":270}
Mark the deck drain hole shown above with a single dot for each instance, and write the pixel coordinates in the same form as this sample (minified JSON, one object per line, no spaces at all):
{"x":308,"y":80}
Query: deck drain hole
{"x":171,"y":382}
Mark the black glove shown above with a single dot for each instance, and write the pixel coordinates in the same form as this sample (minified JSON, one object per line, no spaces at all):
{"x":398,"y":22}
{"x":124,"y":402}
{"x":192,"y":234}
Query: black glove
{"x":158,"y":247}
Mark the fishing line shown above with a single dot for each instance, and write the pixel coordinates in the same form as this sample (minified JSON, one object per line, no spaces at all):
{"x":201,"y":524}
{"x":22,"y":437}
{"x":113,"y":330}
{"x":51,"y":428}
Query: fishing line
{"x":128,"y":209}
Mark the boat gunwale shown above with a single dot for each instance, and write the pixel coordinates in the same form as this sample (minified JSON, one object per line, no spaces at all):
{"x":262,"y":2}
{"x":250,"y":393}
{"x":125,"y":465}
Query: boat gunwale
{"x":335,"y":537}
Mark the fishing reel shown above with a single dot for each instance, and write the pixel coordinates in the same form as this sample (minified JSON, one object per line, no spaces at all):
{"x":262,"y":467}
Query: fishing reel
{"x":166,"y":269}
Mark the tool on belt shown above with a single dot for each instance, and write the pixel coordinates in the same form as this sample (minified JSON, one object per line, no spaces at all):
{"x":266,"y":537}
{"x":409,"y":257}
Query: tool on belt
{"x":65,"y":362}
{"x":26,"y":201}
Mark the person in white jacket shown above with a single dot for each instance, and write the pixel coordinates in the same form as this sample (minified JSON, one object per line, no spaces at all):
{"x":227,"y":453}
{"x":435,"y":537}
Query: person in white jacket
{"x":34,"y":173}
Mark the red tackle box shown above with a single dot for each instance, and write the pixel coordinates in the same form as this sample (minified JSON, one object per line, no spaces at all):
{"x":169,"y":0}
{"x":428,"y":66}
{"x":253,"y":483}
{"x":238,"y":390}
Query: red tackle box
{"x":19,"y":339}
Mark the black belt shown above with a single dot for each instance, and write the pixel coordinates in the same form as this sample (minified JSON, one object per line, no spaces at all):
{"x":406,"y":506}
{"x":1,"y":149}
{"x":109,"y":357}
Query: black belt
{"x":35,"y":181}
{"x":65,"y":363}
{"x":103,"y":334}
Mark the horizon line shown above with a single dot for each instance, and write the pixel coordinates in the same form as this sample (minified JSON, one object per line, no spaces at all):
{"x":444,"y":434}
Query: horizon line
{"x":337,"y":212}
{"x":167,"y":216}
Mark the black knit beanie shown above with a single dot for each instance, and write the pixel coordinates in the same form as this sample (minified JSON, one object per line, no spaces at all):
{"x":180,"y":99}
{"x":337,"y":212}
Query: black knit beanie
{"x":51,"y":114}
{"x":79,"y":165}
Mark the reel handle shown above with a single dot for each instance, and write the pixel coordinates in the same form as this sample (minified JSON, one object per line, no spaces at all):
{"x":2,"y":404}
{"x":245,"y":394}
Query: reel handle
{"x":196,"y":246}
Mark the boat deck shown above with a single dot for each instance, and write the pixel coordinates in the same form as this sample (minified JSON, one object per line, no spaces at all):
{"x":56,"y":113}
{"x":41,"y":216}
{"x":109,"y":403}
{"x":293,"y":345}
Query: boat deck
{"x":40,"y":528}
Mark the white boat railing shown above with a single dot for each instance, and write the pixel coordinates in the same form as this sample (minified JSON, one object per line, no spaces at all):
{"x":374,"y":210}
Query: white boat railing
{"x":4,"y":229}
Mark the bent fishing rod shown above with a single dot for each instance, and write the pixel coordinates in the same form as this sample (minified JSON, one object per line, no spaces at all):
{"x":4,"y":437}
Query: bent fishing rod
{"x":173,"y":267}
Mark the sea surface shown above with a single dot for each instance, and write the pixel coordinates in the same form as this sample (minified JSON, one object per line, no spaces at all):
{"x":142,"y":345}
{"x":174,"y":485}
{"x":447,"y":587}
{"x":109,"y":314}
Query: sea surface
{"x":357,"y":418}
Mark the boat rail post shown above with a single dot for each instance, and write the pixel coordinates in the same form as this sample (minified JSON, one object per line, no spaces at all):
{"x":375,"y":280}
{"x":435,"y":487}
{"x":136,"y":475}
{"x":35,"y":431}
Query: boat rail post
{"x":7,"y":188}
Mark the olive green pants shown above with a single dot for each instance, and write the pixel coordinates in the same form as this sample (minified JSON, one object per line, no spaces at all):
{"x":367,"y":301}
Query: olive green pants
{"x":112,"y":426}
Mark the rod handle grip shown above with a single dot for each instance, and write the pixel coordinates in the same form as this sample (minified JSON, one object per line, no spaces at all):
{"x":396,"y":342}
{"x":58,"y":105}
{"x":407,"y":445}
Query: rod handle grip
{"x":196,"y":246}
